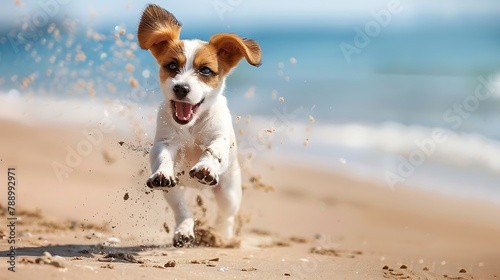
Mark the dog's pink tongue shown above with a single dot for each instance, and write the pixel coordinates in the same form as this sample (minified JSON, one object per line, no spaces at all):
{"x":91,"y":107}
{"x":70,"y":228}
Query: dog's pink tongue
{"x":183,"y":111}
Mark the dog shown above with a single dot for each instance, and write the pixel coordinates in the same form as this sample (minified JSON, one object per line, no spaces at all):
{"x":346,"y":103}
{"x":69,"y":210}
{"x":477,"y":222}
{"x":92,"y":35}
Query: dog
{"x":195,"y":143}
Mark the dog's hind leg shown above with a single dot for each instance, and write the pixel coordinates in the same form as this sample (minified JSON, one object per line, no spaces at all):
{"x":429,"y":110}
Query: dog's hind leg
{"x":183,"y":234}
{"x":228,"y":197}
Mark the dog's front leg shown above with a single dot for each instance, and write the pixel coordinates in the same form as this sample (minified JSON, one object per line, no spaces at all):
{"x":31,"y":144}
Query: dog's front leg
{"x":212,"y":163}
{"x":161,"y":158}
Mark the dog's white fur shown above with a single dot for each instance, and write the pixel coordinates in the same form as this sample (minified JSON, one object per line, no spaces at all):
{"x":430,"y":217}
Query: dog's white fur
{"x":205,"y":145}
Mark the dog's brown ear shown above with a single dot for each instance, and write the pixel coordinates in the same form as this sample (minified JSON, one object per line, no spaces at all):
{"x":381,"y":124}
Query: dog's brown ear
{"x":157,"y":29}
{"x":231,"y":49}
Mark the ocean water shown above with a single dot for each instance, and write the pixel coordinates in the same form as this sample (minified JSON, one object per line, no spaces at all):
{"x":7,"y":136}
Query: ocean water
{"x":417,"y":105}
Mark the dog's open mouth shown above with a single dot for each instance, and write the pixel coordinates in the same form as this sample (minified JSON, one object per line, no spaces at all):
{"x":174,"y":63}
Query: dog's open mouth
{"x":184,"y":112}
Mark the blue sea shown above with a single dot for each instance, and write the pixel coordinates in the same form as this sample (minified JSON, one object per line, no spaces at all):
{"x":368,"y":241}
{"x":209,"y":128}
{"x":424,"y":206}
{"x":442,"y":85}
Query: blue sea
{"x":415,"y":105}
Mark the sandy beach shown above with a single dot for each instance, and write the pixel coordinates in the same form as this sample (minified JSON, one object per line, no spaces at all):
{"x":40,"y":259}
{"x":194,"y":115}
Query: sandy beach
{"x":299,"y":221}
{"x":368,"y":137}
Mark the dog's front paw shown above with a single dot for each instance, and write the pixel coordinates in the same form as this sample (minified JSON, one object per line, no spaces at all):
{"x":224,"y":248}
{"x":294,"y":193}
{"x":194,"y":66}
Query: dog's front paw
{"x":183,"y":238}
{"x":160,"y":180}
{"x":204,"y":174}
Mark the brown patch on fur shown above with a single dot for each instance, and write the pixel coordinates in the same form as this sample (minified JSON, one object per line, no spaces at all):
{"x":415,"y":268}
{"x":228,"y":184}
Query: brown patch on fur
{"x":174,"y":53}
{"x":158,"y":28}
{"x":206,"y":56}
{"x":231,"y":49}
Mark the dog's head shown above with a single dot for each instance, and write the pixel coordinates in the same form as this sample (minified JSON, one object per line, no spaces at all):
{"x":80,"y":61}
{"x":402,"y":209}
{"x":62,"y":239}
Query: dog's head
{"x":192,"y":72}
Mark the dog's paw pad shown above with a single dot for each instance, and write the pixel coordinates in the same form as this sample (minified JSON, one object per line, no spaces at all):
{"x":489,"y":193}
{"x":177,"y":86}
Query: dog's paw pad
{"x":183,"y":239}
{"x":204,"y":175}
{"x":159,"y":180}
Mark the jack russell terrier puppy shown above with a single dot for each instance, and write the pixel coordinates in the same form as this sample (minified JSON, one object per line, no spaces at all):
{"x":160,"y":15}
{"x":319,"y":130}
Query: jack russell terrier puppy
{"x":195,"y":144}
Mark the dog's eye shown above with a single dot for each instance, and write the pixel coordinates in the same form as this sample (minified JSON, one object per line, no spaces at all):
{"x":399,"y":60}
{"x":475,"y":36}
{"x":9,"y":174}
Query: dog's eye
{"x":205,"y":71}
{"x":172,"y":66}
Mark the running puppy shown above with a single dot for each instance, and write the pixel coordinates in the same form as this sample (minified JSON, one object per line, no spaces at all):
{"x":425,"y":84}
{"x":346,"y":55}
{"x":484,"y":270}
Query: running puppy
{"x":195,"y":144}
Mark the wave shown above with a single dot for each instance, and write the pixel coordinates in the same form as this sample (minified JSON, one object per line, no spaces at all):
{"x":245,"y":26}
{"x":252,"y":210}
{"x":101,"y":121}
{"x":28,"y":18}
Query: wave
{"x":442,"y":158}
{"x":393,"y":154}
{"x":434,"y":143}
{"x":125,"y":114}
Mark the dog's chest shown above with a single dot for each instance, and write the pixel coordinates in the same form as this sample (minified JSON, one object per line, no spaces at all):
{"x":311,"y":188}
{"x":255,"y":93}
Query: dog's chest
{"x":190,"y":149}
{"x":188,"y":155}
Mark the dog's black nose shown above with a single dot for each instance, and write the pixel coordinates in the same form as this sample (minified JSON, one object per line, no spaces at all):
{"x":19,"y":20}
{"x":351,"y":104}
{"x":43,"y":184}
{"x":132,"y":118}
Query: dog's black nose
{"x":181,"y":90}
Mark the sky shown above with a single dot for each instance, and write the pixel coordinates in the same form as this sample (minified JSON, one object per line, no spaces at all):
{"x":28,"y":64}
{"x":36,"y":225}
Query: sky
{"x":253,"y":12}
